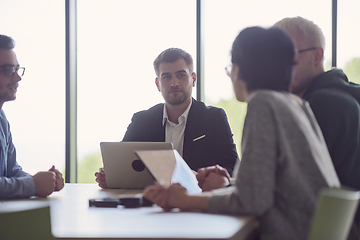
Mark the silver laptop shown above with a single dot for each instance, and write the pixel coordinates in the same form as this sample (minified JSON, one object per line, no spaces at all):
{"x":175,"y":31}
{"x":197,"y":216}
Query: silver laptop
{"x":123,"y":169}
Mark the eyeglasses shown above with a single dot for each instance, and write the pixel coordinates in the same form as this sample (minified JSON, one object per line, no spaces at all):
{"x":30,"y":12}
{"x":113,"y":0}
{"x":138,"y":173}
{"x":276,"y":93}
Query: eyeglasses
{"x":9,"y":70}
{"x":307,"y":49}
{"x":228,"y":70}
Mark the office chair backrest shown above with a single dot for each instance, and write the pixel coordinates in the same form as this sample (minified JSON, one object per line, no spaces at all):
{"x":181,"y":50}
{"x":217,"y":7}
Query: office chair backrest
{"x":334,"y":214}
{"x":26,"y":224}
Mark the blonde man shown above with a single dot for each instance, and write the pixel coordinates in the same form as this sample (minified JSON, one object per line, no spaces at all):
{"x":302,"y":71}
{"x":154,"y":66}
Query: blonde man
{"x":333,"y":99}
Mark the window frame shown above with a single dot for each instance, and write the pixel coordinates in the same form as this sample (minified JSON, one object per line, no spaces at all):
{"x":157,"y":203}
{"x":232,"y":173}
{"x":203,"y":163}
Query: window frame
{"x":71,"y":78}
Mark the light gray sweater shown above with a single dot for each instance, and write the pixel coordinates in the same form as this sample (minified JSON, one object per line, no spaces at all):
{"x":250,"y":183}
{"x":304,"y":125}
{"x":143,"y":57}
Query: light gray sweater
{"x":284,"y":165}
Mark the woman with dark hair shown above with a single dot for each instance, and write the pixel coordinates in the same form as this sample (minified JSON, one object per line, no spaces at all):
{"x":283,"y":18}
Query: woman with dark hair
{"x":284,"y":163}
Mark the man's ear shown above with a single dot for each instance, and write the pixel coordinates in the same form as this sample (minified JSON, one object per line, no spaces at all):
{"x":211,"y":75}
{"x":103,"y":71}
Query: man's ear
{"x":157,"y":84}
{"x":194,"y":78}
{"x":319,"y":55}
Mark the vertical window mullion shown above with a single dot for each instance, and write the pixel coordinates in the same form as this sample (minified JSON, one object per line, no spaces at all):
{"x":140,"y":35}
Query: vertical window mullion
{"x":71,"y":93}
{"x":334,"y":32}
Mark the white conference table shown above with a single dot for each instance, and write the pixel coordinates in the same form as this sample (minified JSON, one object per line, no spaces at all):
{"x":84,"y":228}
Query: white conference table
{"x":72,"y":218}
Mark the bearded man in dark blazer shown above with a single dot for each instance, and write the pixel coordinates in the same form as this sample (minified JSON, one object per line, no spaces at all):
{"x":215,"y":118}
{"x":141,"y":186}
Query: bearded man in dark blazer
{"x":200,"y":133}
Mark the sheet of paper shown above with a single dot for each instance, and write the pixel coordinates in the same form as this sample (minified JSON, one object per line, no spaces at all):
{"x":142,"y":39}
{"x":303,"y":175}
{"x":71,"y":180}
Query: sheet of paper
{"x":160,"y":163}
{"x":167,"y":166}
{"x":184,"y":175}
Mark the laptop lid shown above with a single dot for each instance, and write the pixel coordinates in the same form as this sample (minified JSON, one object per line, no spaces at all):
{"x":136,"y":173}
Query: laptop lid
{"x":123,"y":169}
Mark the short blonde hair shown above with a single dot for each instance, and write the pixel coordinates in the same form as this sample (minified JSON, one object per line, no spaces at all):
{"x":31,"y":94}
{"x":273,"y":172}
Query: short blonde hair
{"x":308,"y":30}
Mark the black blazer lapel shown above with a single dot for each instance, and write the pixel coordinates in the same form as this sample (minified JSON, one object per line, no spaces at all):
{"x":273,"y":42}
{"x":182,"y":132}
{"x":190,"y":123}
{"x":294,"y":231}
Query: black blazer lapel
{"x":158,"y":130}
{"x":192,"y":124}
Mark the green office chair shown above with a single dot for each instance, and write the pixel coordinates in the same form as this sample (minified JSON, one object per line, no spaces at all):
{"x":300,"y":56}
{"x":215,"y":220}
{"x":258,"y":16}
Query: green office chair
{"x":26,"y":224}
{"x":334,"y":214}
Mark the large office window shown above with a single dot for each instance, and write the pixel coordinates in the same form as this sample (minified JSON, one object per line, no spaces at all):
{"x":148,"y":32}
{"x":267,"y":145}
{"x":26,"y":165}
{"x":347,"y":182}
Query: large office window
{"x":37,"y":116}
{"x":223,"y":21}
{"x":117,"y":44}
{"x":348,"y":38}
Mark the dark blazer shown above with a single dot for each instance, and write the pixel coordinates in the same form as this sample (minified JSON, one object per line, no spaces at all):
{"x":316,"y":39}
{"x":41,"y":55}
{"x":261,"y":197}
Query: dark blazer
{"x":217,"y":147}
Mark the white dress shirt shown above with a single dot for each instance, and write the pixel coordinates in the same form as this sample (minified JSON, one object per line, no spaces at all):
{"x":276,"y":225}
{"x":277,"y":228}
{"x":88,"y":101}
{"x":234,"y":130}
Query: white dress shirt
{"x":174,"y":133}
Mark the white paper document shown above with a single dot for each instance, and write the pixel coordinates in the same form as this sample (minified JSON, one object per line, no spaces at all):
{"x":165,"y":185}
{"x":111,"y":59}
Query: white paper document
{"x":167,"y":167}
{"x":184,"y":175}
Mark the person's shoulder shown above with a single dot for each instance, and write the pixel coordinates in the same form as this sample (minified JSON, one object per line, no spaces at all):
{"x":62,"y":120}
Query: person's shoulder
{"x":158,"y":108}
{"x":268,"y":97}
{"x":332,"y":96}
{"x":200,"y":106}
{"x":3,"y":119}
{"x":263,"y":102}
{"x":2,"y":114}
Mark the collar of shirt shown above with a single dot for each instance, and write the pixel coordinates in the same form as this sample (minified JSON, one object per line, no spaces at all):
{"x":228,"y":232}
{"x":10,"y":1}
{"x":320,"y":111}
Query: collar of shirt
{"x":174,"y":133}
{"x":182,"y":118}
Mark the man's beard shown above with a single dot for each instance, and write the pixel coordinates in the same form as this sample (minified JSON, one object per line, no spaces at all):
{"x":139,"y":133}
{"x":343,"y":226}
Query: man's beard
{"x":177,"y":98}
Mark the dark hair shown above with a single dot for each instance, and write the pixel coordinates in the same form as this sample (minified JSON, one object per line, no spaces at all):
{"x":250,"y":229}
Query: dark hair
{"x":265,"y":58}
{"x":171,"y":55}
{"x":6,"y":42}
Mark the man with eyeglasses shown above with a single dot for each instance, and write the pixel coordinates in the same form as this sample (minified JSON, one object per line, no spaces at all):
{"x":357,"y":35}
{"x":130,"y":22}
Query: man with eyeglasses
{"x":200,"y":133}
{"x":14,"y":182}
{"x":333,"y":99}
